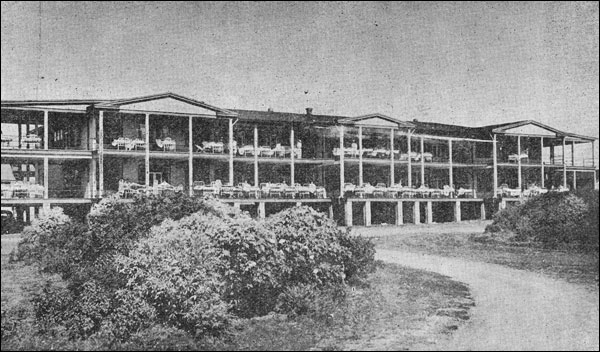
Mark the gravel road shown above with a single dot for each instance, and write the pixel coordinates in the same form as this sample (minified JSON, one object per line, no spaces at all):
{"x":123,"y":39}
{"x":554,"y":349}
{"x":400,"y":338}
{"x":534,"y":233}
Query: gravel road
{"x":514,"y":309}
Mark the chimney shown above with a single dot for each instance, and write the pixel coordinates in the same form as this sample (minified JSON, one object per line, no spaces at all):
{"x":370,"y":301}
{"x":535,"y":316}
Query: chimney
{"x":308,"y":111}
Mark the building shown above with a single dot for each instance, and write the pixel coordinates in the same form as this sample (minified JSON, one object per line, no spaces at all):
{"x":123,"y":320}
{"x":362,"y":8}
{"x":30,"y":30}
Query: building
{"x":362,"y":170}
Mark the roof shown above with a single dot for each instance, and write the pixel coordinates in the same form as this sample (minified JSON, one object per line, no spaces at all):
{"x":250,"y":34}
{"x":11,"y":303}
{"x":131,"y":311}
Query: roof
{"x":377,"y":116}
{"x":272,"y":116}
{"x":504,"y":127}
{"x":115,"y":104}
{"x":444,"y":130}
{"x":7,"y":173}
{"x":425,"y":128}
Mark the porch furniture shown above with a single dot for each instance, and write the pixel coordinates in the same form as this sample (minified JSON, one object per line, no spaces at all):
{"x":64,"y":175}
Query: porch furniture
{"x":464,"y":192}
{"x":31,"y":141}
{"x":304,"y":191}
{"x":378,"y":153}
{"x":249,"y":191}
{"x":130,"y":189}
{"x":448,"y":191}
{"x":265,"y":150}
{"x":230,"y":191}
{"x":121,"y":142}
{"x":36,"y":191}
{"x":427,"y":156}
{"x":212,"y":147}
{"x":515,"y":157}
{"x":506,"y":191}
{"x":167,"y":144}
{"x":6,"y":141}
{"x":246,"y":150}
{"x":136,"y":143}
{"x":6,"y":191}
{"x":380,"y":190}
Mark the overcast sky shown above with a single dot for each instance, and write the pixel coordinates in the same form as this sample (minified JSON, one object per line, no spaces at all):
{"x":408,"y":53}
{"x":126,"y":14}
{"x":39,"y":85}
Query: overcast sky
{"x":461,"y":63}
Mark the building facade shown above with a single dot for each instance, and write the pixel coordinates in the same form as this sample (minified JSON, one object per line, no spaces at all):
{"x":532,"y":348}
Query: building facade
{"x":362,"y":170}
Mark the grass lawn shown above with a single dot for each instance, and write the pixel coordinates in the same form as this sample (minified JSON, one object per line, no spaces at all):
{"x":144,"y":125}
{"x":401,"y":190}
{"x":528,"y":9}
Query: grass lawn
{"x":397,"y":308}
{"x":452,"y":240}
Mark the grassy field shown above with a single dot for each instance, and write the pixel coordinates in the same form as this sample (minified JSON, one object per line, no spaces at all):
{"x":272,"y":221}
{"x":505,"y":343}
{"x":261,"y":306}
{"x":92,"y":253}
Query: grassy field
{"x":453,"y":240}
{"x":396,"y":308}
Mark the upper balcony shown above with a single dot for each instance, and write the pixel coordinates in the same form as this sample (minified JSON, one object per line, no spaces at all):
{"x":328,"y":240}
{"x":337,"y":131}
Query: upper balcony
{"x":23,"y":132}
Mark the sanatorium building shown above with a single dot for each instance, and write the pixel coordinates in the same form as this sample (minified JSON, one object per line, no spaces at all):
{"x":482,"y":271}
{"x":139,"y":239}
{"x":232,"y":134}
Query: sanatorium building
{"x":362,"y":170}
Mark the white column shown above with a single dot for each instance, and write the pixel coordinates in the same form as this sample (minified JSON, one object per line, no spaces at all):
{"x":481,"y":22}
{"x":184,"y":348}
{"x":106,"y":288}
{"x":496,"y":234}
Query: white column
{"x":101,"y":154}
{"x":542,"y":152}
{"x":46,"y":126}
{"x":46,"y":186}
{"x":429,"y":212}
{"x":367,"y":212}
{"x":392,"y":157}
{"x":360,"y":157}
{"x":519,"y":176}
{"x":573,"y":153}
{"x":495,"y":161}
{"x":190,"y":157}
{"x":482,"y":208}
{"x":457,"y":214}
{"x":92,"y":178}
{"x":594,"y":156}
{"x":230,"y":151}
{"x":261,"y":210}
{"x":255,"y":156}
{"x":399,"y":213}
{"x":292,"y":173}
{"x":574,"y":179}
{"x":348,"y":212}
{"x":564,"y":149}
{"x":341,"y":161}
{"x":147,"y":155}
{"x":450,"y":166}
{"x":422,"y":162}
{"x":409,"y":181}
{"x":417,"y":212}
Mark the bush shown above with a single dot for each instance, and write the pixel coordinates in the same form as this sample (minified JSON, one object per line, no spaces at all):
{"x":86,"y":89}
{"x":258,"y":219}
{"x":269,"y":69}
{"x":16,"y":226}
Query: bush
{"x":179,"y":273}
{"x":37,"y":238}
{"x":84,"y":254}
{"x":362,"y":256}
{"x":315,"y":250}
{"x":553,"y":219}
{"x":187,"y":266}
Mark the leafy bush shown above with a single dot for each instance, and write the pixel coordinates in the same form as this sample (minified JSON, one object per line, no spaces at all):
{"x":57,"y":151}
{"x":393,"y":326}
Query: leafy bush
{"x":187,"y":266}
{"x":553,"y":219}
{"x":362,"y":256}
{"x":178,"y":272}
{"x":315,"y":250}
{"x":39,"y":236}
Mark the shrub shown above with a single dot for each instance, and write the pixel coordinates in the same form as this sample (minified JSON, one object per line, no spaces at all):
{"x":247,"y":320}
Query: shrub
{"x":178,"y":272}
{"x":553,"y":219}
{"x":311,"y":247}
{"x":362,"y":256}
{"x":96,"y":295}
{"x":38,"y":237}
{"x":315,"y":250}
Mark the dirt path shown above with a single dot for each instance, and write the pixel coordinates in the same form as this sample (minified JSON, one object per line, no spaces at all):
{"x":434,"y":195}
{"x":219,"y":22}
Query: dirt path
{"x":514,"y":309}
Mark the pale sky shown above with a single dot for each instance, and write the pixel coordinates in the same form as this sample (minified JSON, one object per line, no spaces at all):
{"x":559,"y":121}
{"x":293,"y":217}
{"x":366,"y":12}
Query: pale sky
{"x":460,"y":63}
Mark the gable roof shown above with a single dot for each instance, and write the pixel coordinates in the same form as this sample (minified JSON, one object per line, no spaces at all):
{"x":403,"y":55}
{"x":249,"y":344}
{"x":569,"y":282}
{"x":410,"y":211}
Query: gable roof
{"x":116,"y":104}
{"x":358,"y":119}
{"x":505,"y":127}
